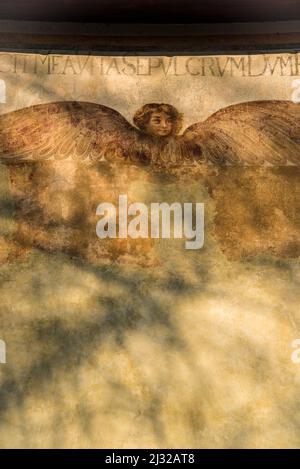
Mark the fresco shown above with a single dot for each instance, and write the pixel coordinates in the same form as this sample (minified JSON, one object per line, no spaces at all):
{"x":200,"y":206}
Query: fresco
{"x":149,"y":251}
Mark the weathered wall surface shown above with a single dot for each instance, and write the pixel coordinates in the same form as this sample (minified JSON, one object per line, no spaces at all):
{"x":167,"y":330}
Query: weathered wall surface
{"x":142,"y":343}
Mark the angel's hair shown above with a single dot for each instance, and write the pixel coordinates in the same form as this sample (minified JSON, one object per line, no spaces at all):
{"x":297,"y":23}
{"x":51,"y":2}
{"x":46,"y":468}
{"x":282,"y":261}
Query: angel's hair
{"x":142,"y":116}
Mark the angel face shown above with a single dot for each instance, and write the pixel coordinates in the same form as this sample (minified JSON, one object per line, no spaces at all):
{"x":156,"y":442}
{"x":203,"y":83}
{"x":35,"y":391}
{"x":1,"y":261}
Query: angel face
{"x":159,"y":120}
{"x":159,"y":125}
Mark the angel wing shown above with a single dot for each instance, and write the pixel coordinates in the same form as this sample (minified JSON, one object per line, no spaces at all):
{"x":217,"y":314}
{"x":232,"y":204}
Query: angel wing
{"x":76,"y":130}
{"x":252,"y":133}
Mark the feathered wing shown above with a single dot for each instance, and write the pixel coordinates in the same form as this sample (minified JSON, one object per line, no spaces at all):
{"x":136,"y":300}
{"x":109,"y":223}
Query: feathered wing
{"x":61,"y":130}
{"x":253,"y":133}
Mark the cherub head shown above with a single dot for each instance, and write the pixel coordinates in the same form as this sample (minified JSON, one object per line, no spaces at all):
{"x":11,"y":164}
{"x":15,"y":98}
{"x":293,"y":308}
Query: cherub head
{"x":158,"y":120}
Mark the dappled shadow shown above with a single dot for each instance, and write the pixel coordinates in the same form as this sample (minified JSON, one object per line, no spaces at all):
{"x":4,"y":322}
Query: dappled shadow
{"x":135,"y":355}
{"x":141,"y":343}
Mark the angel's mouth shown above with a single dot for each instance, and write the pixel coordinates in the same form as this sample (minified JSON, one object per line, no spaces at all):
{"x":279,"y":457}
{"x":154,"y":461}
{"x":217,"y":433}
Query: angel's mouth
{"x":163,"y":132}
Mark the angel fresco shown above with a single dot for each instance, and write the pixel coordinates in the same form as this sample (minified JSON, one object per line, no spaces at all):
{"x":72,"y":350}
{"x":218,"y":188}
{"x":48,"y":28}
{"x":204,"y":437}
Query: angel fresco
{"x":252,"y":133}
{"x":63,"y":156}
